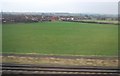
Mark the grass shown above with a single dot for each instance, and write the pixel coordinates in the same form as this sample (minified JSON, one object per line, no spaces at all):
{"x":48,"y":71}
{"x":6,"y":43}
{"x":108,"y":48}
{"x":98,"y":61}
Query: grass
{"x":0,"y":37}
{"x":62,"y":38}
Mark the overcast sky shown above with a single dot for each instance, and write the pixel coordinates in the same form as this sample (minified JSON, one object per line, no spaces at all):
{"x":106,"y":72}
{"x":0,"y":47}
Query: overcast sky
{"x":68,"y":6}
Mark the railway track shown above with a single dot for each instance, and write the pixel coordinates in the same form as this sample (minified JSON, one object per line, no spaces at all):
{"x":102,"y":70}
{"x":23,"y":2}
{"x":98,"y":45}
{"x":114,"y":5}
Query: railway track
{"x":42,"y":70}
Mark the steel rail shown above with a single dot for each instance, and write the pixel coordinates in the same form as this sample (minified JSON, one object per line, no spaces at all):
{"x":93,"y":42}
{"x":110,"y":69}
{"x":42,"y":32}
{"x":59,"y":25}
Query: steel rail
{"x":8,"y":69}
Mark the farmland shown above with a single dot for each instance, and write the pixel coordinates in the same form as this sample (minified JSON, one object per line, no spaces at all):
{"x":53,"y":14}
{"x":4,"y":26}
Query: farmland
{"x":60,"y":38}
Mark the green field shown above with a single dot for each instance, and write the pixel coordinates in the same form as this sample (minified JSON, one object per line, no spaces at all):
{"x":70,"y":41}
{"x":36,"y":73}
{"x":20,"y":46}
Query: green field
{"x":0,"y":37}
{"x":61,"y":38}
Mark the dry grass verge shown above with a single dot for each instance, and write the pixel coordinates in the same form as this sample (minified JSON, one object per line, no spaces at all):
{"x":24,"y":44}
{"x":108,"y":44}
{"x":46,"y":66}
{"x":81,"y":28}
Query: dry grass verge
{"x":61,"y":61}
